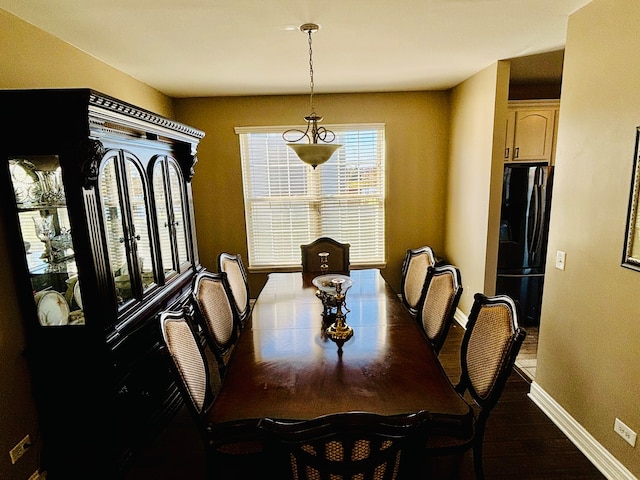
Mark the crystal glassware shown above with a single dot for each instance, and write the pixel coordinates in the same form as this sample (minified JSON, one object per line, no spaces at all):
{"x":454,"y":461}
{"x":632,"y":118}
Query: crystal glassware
{"x":44,"y":231}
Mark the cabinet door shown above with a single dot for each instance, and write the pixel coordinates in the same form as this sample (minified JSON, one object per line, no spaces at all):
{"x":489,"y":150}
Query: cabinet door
{"x":124,"y":196}
{"x":168,"y":187}
{"x":533,"y":135}
{"x":47,"y":239}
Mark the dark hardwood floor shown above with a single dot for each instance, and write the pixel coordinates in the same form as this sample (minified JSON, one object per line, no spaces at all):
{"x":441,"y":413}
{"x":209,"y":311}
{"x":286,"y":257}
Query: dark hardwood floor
{"x":527,"y":360}
{"x":520,"y":441}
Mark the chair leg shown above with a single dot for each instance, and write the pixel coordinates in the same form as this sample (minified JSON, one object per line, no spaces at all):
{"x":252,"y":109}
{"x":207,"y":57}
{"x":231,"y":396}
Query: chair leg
{"x":478,"y":467}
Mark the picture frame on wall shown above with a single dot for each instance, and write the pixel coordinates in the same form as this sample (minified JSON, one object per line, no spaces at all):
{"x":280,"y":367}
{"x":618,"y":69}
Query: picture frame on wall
{"x":631,"y":254}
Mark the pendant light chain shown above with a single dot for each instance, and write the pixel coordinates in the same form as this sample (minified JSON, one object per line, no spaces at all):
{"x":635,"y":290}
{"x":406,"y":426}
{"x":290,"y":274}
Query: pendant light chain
{"x":311,"y":84}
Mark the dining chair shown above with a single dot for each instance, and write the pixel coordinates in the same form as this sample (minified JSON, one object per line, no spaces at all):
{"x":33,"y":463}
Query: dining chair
{"x":347,"y":445}
{"x":214,"y":310}
{"x":227,"y":451}
{"x":438,"y":303}
{"x":232,"y":265}
{"x":338,"y":255}
{"x":489,"y":348}
{"x":414,"y":273}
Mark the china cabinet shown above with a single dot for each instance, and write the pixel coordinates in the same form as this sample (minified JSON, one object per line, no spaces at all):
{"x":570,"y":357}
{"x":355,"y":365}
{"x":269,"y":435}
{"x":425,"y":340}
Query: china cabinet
{"x":531,"y":131}
{"x":99,"y":214}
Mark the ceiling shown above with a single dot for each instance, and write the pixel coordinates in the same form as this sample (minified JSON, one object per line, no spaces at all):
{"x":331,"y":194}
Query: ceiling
{"x":193,"y":48}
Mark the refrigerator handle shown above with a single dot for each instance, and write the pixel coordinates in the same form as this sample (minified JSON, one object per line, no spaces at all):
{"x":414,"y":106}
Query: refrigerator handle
{"x":533,"y":225}
{"x":538,"y":191}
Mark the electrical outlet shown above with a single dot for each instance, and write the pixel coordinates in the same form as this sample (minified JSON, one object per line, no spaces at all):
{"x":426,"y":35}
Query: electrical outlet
{"x":16,"y":452}
{"x":625,"y":432}
{"x":560,"y":259}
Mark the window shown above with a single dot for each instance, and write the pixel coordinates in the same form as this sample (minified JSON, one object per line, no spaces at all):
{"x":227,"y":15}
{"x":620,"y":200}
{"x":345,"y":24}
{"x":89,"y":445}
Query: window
{"x":288,"y":204}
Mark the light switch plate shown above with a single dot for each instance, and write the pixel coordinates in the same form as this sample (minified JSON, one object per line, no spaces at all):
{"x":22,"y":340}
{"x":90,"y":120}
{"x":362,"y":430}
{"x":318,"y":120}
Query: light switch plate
{"x":560,"y":259}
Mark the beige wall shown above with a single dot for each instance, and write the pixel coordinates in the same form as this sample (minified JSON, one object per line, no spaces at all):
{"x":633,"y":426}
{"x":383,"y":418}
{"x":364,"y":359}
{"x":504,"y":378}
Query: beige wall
{"x":478,"y":113}
{"x":417,"y":147}
{"x":589,"y":348}
{"x":589,"y":353}
{"x":33,"y":59}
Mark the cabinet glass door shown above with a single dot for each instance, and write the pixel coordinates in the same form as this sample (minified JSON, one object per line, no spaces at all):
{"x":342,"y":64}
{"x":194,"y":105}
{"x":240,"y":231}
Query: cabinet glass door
{"x":169,"y":200}
{"x":164,"y":222}
{"x":177,"y":202}
{"x":139,"y":230}
{"x":47,"y":239}
{"x":123,"y":193}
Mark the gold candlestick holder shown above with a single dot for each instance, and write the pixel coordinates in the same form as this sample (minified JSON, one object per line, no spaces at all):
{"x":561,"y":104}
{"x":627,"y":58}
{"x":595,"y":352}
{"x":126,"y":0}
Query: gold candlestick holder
{"x":324,"y":262}
{"x":339,"y":331}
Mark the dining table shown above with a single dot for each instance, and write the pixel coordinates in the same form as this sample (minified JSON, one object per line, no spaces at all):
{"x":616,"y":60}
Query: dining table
{"x":284,"y":365}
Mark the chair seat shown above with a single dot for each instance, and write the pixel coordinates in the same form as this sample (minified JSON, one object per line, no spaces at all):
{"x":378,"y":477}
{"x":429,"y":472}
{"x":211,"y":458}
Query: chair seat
{"x":437,"y":442}
{"x":242,"y":448}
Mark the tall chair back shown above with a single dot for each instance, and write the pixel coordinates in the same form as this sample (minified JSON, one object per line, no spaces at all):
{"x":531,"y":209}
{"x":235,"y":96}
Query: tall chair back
{"x":215,"y":311}
{"x":187,"y":361}
{"x":489,"y":349}
{"x":228,"y":453}
{"x":414,"y":273}
{"x":232,"y":265}
{"x":338,"y":255}
{"x":348,"y":445}
{"x":439,"y":300}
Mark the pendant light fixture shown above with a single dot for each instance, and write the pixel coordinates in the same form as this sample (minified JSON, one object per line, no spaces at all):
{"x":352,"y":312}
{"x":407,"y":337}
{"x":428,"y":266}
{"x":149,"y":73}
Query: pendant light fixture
{"x":319,"y":147}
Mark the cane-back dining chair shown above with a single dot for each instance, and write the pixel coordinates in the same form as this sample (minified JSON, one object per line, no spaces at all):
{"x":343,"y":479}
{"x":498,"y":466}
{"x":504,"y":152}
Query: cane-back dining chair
{"x":489,"y":348}
{"x":346,"y":446}
{"x":338,"y":255}
{"x":216,"y":313}
{"x":226,"y":451}
{"x":438,"y":303}
{"x":232,"y":265}
{"x":414,"y":273}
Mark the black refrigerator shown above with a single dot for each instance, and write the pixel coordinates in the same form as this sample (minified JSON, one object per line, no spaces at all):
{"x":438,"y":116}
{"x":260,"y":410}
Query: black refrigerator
{"x":524,"y":225}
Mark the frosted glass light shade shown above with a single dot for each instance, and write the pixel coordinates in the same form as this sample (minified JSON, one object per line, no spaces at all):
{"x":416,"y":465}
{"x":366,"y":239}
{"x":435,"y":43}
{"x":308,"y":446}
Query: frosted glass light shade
{"x":314,"y":154}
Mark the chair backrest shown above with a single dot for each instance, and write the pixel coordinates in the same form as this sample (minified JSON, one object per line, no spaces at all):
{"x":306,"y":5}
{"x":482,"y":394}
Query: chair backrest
{"x":414,"y":273}
{"x":187,"y":361}
{"x":338,"y":255}
{"x":438,"y":303}
{"x":212,"y":300}
{"x":489,"y":349}
{"x":232,"y":265}
{"x":190,"y":367}
{"x":348,"y":445}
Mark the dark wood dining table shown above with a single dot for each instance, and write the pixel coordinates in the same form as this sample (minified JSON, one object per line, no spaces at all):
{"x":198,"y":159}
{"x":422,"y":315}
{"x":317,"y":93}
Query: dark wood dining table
{"x":284,"y":366}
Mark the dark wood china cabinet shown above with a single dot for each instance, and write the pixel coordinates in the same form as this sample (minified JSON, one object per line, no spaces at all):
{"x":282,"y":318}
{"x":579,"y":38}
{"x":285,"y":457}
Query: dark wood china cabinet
{"x":99,"y":216}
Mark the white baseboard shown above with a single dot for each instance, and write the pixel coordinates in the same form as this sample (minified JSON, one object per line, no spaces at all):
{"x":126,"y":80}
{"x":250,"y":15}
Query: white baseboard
{"x":581,"y":438}
{"x":460,"y":317}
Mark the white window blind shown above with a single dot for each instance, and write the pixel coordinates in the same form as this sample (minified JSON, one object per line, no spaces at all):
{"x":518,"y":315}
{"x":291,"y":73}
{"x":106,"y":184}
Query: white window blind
{"x":288,"y":204}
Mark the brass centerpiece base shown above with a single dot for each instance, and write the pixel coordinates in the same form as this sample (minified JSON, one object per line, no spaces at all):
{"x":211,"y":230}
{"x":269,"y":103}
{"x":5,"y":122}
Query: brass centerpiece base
{"x":339,"y":331}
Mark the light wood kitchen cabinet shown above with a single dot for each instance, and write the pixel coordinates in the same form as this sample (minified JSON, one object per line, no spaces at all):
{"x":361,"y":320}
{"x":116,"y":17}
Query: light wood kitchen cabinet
{"x":531,"y":131}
